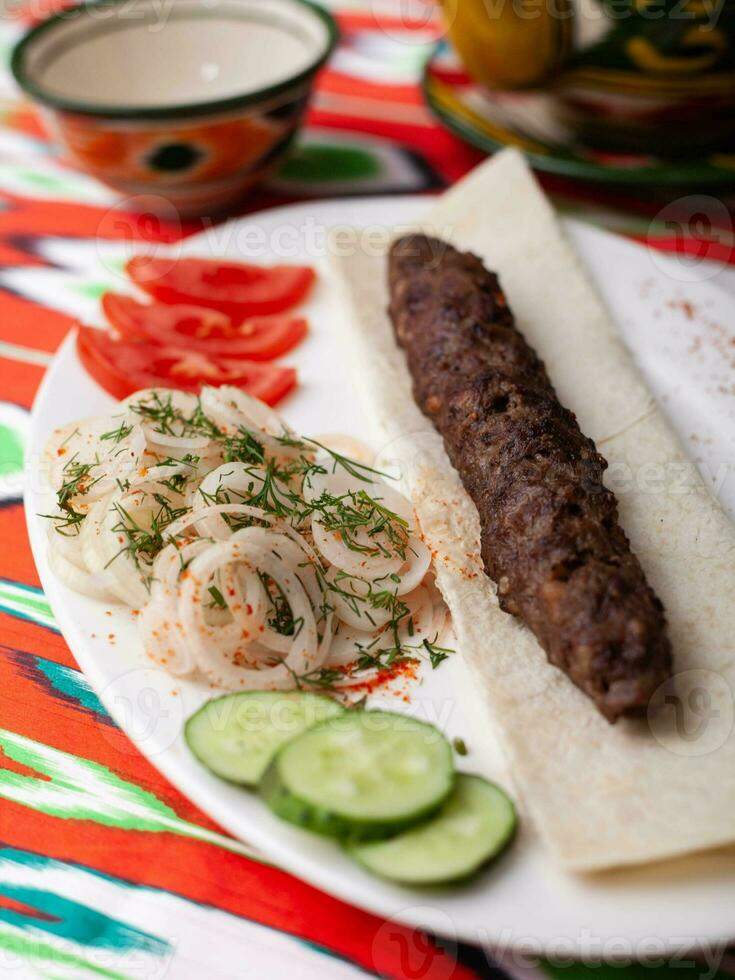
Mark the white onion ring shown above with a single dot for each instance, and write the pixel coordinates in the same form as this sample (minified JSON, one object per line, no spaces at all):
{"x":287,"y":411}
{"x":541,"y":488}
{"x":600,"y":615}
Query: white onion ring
{"x":221,"y":669}
{"x":238,"y":408}
{"x":353,"y":609}
{"x":338,"y":483}
{"x":419,"y":624}
{"x":160,"y":440}
{"x":293,"y":550}
{"x":234,"y":409}
{"x":77,"y":579}
{"x":238,"y":480}
{"x":367,"y":557}
{"x":417,"y":564}
{"x":181,"y":401}
{"x":348,"y":643}
{"x":363,"y":564}
{"x":110,"y":462}
{"x":201,"y":517}
{"x":163,"y":636}
{"x":204,"y":607}
{"x":104,"y":548}
{"x":69,"y":546}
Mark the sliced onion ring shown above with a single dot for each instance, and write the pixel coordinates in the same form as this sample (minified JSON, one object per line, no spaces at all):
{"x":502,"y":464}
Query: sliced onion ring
{"x":222,"y":670}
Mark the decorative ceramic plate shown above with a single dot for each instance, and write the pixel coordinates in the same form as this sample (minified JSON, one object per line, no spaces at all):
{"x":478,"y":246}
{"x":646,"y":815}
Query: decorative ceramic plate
{"x":523,"y":900}
{"x":491,"y":120}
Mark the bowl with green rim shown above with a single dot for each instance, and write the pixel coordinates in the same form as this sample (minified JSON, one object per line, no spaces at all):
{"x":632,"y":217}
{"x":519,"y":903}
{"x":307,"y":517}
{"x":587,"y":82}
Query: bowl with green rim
{"x":191,"y":103}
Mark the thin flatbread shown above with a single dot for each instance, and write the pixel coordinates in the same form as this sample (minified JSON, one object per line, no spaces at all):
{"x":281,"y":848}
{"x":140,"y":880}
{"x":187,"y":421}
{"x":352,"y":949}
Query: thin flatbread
{"x":600,"y":795}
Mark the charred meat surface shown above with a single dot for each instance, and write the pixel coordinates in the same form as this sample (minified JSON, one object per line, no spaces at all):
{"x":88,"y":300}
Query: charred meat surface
{"x":550,"y":533}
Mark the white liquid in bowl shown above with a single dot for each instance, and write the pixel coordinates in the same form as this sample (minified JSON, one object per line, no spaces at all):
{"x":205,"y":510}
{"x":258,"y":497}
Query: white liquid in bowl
{"x":185,"y":54}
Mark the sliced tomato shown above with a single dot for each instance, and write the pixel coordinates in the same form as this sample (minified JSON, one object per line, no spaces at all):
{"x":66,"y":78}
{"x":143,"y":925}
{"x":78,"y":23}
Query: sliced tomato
{"x":122,"y":367}
{"x":208,"y":332}
{"x":234,"y":288}
{"x":147,"y":321}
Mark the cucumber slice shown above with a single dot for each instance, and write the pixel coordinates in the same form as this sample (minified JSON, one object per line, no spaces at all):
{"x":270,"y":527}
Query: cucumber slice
{"x":365,"y":774}
{"x":237,"y":735}
{"x":474,"y":825}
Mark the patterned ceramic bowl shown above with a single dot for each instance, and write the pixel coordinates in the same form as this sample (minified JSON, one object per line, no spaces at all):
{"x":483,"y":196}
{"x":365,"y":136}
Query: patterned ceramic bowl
{"x":192,"y":102}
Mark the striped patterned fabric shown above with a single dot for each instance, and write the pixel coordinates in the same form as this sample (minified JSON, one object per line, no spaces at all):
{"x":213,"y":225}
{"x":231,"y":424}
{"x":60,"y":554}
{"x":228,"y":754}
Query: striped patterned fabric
{"x":105,"y":869}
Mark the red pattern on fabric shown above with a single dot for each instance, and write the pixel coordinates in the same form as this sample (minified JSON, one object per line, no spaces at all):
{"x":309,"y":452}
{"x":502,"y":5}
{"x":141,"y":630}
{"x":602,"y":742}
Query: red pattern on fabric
{"x":199,"y":871}
{"x":19,"y":381}
{"x":23,"y":325}
{"x":16,"y":562}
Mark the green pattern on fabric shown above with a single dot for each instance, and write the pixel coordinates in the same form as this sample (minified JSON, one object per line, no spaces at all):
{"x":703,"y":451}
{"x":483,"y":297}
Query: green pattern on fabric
{"x":33,"y":950}
{"x":27,"y":603}
{"x":46,"y":181}
{"x":660,"y":967}
{"x":92,"y":290}
{"x":318,"y":162}
{"x":11,"y":451}
{"x":79,"y":789}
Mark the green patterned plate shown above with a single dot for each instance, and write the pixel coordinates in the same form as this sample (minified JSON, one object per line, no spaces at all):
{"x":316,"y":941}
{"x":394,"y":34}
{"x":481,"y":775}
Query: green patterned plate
{"x":491,"y":120}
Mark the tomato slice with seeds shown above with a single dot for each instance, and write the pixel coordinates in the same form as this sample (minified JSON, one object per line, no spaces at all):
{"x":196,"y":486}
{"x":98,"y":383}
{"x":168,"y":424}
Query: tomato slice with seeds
{"x":204,"y":331}
{"x":122,"y":367}
{"x":146,"y":321}
{"x":236,"y":289}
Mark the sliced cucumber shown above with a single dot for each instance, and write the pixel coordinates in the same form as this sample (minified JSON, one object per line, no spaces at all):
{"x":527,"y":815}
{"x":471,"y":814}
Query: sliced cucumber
{"x":237,"y":735}
{"x":474,"y":825}
{"x":365,"y":774}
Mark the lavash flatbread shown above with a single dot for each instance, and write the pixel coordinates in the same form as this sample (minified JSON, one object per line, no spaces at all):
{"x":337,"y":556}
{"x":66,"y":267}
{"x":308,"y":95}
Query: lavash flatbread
{"x":600,"y":795}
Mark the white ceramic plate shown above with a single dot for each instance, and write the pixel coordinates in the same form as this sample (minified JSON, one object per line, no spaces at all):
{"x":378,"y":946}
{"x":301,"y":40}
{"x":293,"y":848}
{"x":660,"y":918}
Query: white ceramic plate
{"x":523,"y":901}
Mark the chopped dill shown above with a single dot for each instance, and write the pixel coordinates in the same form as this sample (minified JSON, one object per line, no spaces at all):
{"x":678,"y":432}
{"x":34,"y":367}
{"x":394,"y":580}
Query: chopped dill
{"x":163,"y":417}
{"x":68,"y":522}
{"x":281,"y":617}
{"x":188,"y":459}
{"x":243,"y":448}
{"x":75,"y":432}
{"x":352,"y":466}
{"x":436,"y":654}
{"x":217,"y":598}
{"x":142,"y":544}
{"x":118,"y":434}
{"x":356,"y":511}
{"x":76,"y":482}
{"x":320,"y":679}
